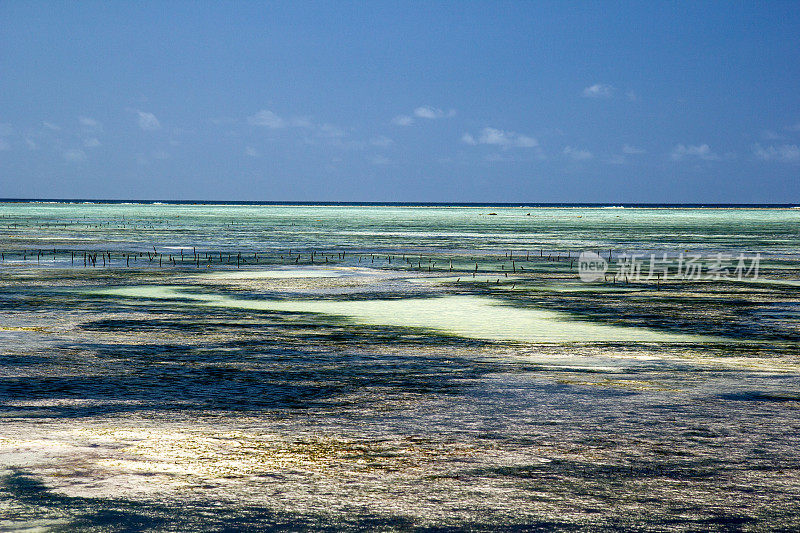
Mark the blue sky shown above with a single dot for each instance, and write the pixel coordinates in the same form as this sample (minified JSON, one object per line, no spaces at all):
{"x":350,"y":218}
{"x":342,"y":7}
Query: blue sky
{"x":407,"y":101}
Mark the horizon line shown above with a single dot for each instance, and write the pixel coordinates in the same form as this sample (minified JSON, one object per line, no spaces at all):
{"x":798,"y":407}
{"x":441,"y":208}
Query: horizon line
{"x":396,"y":203}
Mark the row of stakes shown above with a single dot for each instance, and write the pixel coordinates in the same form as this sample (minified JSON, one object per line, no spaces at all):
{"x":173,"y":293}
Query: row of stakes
{"x":104,"y":258}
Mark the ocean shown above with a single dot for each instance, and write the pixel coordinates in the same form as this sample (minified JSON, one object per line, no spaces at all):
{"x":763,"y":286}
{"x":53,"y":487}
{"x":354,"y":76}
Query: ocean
{"x":207,"y":366}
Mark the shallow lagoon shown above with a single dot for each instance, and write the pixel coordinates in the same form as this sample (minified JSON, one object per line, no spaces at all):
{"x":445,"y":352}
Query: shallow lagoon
{"x":392,"y":387}
{"x":464,"y":316}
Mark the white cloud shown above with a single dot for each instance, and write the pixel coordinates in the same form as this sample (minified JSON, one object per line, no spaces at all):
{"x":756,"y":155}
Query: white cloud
{"x":267,"y":119}
{"x":89,"y":123}
{"x":51,"y":126}
{"x":523,"y":141}
{"x":496,"y":137}
{"x":632,"y":96}
{"x":381,"y":141}
{"x":787,"y":153}
{"x":160,"y":154}
{"x":577,"y":154}
{"x":632,"y":150}
{"x":701,"y":151}
{"x":402,"y":120}
{"x":427,"y":112}
{"x":769,"y":135}
{"x":91,"y":142}
{"x":796,"y":127}
{"x":147,"y":121}
{"x":598,"y":90}
{"x":251,"y":152}
{"x":31,"y":144}
{"x":433,"y":112}
{"x":74,"y":155}
{"x":616,"y":160}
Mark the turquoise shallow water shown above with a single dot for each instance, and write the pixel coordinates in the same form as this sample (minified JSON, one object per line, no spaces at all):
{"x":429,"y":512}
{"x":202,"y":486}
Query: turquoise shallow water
{"x":301,"y":367}
{"x":401,"y":228}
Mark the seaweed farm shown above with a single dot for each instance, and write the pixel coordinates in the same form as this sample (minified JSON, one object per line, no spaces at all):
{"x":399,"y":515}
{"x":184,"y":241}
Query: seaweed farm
{"x":311,"y":367}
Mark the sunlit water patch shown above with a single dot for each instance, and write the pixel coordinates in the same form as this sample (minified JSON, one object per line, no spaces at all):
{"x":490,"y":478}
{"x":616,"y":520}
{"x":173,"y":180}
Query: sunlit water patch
{"x":466,"y":316}
{"x":294,"y":273}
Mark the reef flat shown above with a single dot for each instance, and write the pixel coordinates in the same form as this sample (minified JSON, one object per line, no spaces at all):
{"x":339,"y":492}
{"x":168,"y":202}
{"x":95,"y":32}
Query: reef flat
{"x":203,"y":367}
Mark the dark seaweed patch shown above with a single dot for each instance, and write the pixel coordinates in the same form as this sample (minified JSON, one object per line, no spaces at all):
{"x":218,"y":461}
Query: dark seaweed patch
{"x":121,"y":516}
{"x":761,"y":396}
